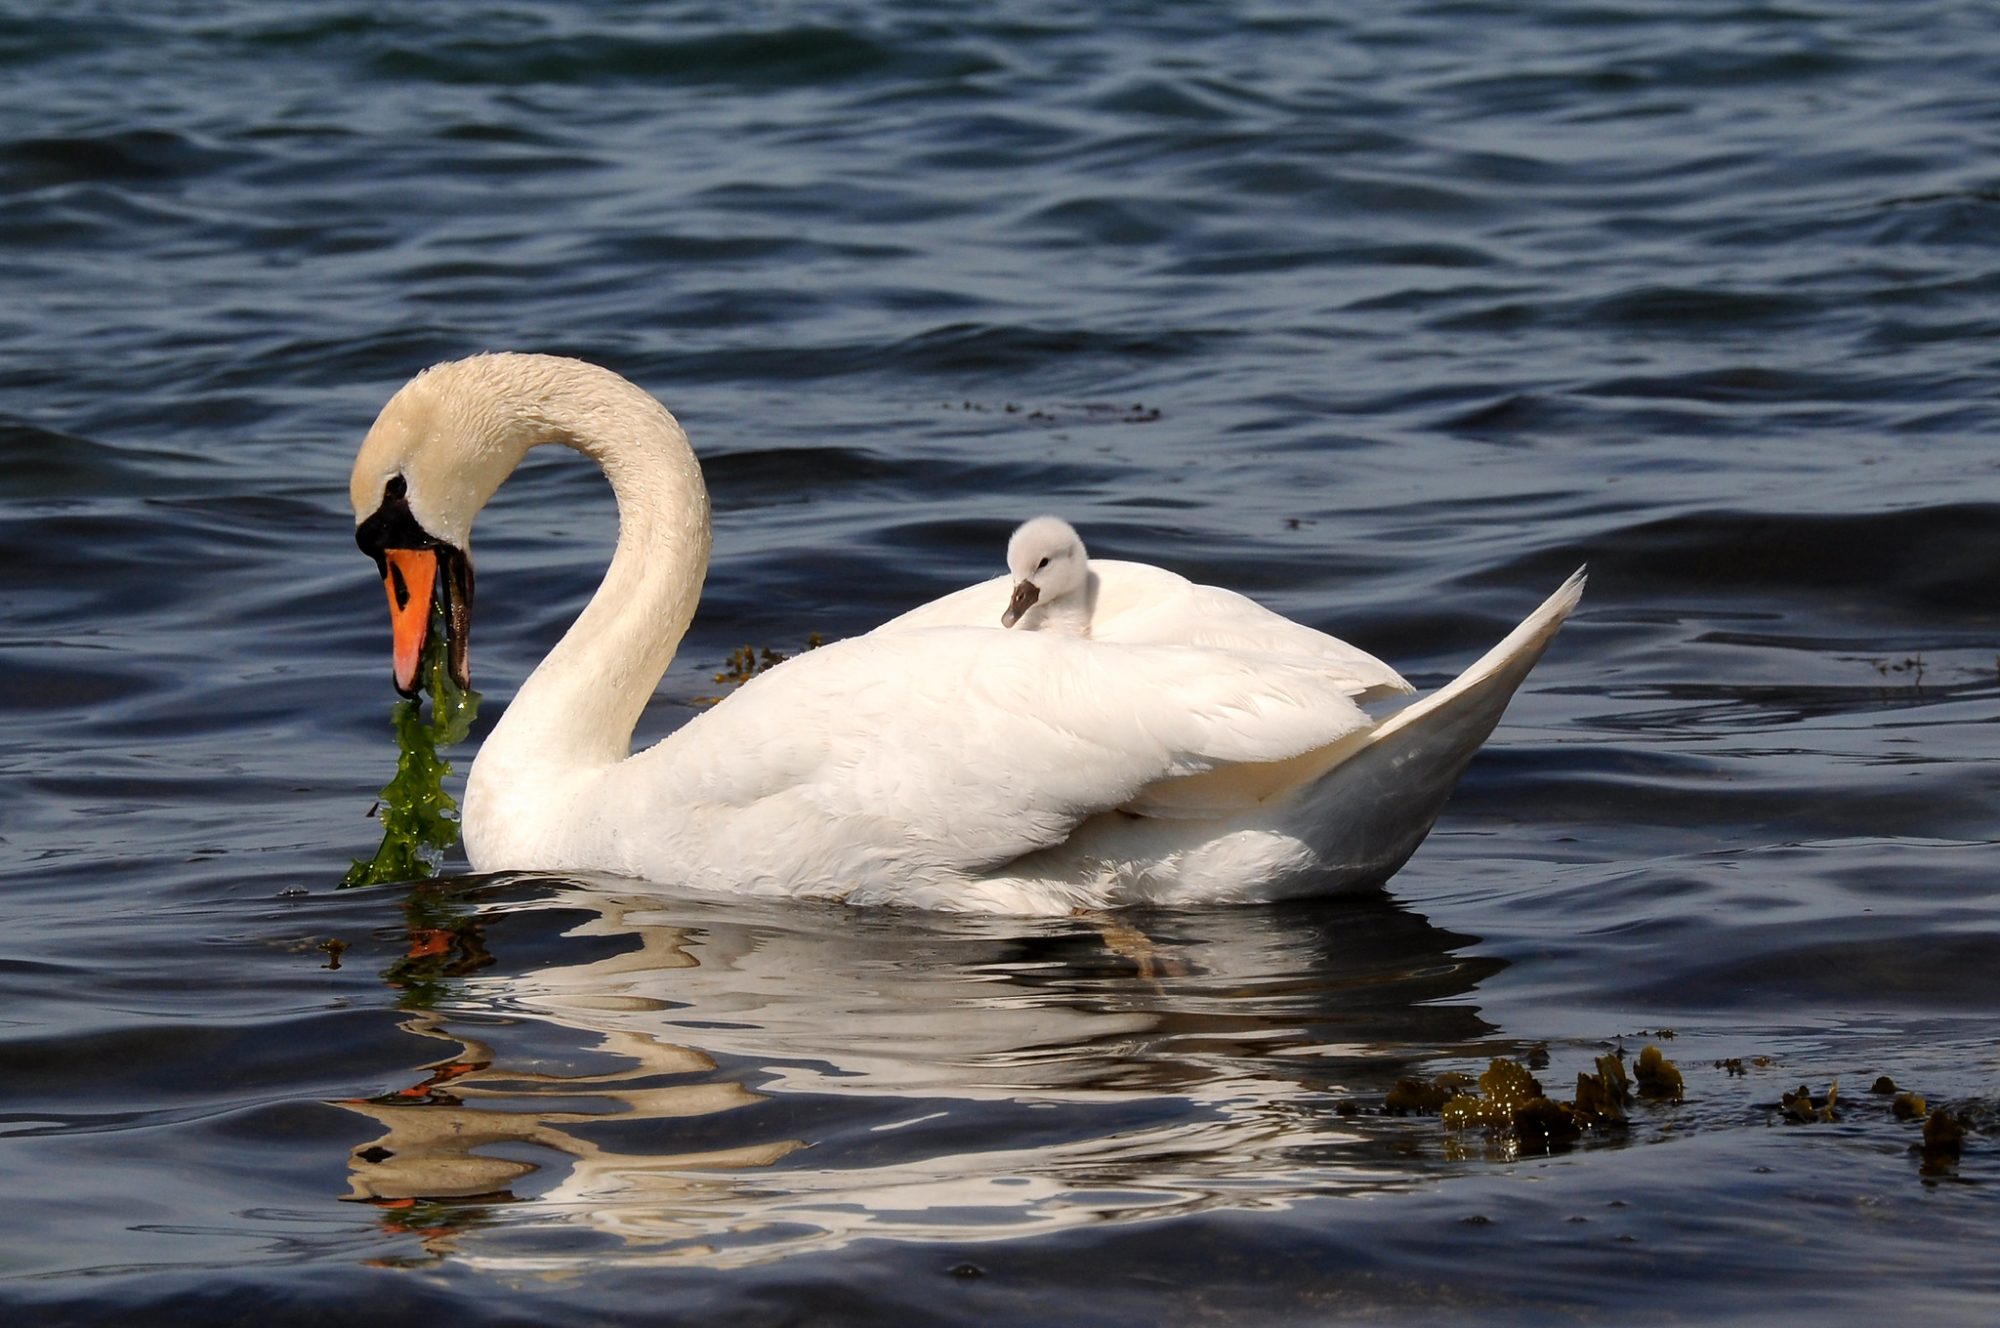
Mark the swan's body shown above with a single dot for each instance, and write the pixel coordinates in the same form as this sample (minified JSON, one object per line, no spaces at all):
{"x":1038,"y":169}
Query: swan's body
{"x":1194,"y":748}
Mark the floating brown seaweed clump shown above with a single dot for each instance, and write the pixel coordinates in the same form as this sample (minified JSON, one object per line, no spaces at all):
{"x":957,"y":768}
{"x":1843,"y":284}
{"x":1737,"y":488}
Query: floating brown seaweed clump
{"x":1734,"y":1065}
{"x":1944,"y":1130}
{"x":1509,"y":1102}
{"x":1657,"y":1076}
{"x":1601,"y":1098}
{"x":1799,"y":1108}
{"x":1424,"y":1097}
{"x":746,"y":662}
{"x":1944,"y":1140}
{"x":1903,"y":1106}
{"x":1505,"y":1090}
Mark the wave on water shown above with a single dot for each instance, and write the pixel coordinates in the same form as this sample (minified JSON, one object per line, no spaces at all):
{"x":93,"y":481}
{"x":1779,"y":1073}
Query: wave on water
{"x":1389,"y":317}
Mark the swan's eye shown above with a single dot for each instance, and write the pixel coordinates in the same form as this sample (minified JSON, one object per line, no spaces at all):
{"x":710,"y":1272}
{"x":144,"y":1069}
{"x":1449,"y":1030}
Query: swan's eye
{"x":1040,"y":565}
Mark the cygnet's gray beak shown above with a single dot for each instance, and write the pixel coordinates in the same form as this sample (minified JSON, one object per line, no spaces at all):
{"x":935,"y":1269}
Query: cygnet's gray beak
{"x":1025,"y":595}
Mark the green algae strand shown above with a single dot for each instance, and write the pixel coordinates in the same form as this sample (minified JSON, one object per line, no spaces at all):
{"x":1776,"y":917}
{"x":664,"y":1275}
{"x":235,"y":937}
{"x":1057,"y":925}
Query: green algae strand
{"x":419,"y":818}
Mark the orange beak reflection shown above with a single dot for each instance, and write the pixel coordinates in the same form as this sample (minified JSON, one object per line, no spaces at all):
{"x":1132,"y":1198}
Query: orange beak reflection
{"x":410,"y":576}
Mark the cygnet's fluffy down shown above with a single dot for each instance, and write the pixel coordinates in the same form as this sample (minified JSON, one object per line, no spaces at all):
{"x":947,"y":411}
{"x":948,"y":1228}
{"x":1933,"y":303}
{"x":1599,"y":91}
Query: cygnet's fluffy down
{"x":1052,"y":581}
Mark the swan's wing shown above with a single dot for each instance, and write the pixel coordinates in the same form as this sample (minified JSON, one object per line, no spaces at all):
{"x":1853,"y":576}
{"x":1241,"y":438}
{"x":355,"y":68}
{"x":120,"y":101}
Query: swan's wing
{"x":1147,"y":605}
{"x":973,"y":746}
{"x":1137,"y":604}
{"x":978,"y":605}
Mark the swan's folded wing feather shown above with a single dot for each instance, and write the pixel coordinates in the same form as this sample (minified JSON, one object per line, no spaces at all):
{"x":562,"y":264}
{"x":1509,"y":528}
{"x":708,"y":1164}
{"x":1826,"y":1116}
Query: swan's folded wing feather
{"x":1147,"y":605}
{"x":979,"y":745}
{"x":978,"y":605}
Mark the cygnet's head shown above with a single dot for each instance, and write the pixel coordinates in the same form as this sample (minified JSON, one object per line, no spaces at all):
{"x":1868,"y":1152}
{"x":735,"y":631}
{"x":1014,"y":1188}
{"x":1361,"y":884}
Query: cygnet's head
{"x":1049,"y":567}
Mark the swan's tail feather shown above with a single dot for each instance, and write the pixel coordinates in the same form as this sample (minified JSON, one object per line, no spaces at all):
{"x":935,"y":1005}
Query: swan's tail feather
{"x":1374,"y":807}
{"x":1512,"y":658}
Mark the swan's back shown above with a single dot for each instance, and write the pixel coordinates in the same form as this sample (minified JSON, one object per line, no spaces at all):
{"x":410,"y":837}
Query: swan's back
{"x":1142,"y":605}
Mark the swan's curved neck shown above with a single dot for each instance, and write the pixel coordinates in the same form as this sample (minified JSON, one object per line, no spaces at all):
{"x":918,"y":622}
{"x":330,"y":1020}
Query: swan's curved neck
{"x":578,"y":708}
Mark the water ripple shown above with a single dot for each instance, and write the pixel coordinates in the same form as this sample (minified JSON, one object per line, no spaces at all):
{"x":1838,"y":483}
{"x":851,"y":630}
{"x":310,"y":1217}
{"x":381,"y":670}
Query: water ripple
{"x":1390,"y":316}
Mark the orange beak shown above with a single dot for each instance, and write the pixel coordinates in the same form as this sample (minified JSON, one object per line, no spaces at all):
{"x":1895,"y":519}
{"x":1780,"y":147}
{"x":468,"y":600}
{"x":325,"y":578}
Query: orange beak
{"x":410,"y":576}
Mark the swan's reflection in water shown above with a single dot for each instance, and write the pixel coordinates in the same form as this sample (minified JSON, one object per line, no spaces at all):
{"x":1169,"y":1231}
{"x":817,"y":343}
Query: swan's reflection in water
{"x":628,"y":1077}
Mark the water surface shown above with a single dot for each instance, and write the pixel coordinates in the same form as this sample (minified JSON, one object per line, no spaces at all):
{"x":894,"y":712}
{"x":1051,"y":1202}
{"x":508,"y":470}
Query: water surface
{"x":1389,"y":317}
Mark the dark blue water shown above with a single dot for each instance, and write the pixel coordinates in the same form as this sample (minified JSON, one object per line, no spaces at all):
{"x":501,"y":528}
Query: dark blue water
{"x":1389,"y":314}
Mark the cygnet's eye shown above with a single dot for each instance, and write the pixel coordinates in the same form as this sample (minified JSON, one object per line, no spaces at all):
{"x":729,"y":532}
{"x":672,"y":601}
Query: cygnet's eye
{"x":1040,"y":565}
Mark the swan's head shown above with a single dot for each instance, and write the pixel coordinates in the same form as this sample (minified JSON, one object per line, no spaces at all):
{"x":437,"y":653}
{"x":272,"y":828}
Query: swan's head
{"x":448,"y":439}
{"x":435,"y":455}
{"x":1046,"y":558}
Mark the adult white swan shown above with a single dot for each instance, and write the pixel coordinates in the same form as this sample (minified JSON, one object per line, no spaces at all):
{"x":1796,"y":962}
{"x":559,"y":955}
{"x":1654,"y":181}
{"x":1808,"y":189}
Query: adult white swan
{"x":1194,"y":749}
